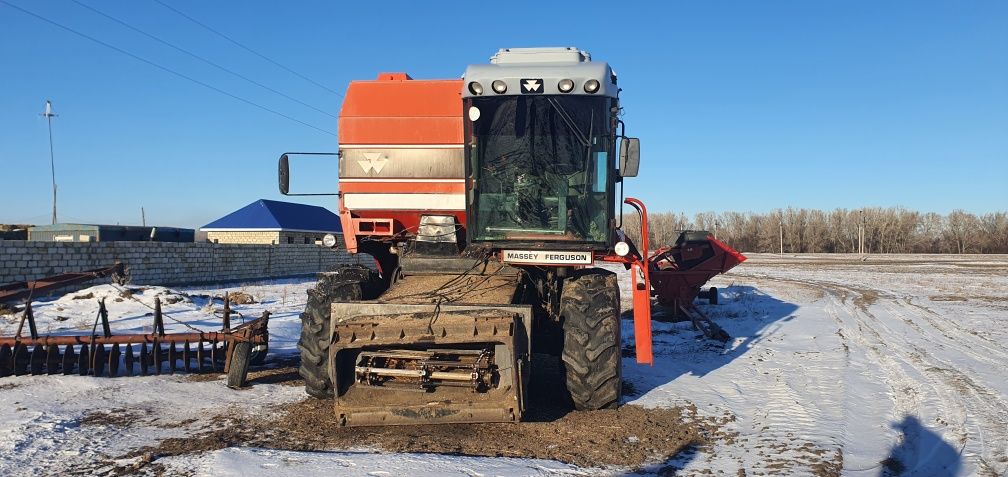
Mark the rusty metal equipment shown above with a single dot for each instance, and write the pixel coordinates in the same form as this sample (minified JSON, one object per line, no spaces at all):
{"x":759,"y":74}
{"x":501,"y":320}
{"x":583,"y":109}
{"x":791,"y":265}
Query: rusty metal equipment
{"x":679,"y":272}
{"x":419,"y":363}
{"x":102,"y":353}
{"x":15,"y":291}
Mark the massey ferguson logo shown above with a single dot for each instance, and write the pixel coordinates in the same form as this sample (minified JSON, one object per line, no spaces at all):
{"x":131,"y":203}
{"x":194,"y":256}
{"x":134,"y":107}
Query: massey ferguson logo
{"x":542,"y":257}
{"x":373,"y":161}
{"x":532,"y":86}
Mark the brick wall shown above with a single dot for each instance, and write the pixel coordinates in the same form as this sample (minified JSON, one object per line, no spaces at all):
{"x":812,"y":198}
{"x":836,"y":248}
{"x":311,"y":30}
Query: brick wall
{"x":263,"y":237}
{"x":244,"y":237}
{"x":167,"y":263}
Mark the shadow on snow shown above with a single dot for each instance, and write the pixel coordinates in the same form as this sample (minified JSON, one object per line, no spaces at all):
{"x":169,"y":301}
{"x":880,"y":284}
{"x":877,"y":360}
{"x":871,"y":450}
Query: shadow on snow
{"x":746,"y":313}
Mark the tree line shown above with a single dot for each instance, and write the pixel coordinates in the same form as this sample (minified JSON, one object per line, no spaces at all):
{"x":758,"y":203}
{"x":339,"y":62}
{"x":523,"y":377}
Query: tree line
{"x":876,"y":230}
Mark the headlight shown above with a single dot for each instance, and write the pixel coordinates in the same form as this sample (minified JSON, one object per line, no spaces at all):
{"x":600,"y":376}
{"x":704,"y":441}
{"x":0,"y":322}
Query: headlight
{"x":475,"y":88}
{"x":499,"y":86}
{"x":621,"y":249}
{"x":591,"y":86}
{"x":329,"y":240}
{"x":565,"y":85}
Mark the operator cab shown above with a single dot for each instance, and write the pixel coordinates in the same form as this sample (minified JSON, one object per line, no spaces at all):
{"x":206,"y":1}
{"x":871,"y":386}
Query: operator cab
{"x":540,"y":144}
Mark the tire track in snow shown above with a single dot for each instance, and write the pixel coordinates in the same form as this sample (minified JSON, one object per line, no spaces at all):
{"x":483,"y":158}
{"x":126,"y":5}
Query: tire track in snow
{"x":975,"y":416}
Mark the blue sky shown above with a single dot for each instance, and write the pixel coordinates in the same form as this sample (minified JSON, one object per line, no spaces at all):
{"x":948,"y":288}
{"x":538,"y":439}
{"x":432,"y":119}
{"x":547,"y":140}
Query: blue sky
{"x":739,"y":105}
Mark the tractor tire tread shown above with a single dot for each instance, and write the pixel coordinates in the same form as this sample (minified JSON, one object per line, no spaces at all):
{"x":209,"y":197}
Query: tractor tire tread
{"x":342,"y":286}
{"x":591,"y":357}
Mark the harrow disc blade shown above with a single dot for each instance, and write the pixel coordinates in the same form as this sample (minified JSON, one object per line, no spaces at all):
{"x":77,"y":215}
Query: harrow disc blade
{"x":20,"y":359}
{"x":38,"y":357}
{"x":172,"y":357}
{"x":84,"y":361}
{"x":213,"y":356}
{"x":113,"y":361}
{"x":98,"y":362}
{"x":68,"y":360}
{"x":128,"y":360}
{"x":52,"y":359}
{"x":156,"y":359}
{"x":186,"y":355}
{"x":144,"y":359}
{"x":200,"y":354}
{"x":6,"y":361}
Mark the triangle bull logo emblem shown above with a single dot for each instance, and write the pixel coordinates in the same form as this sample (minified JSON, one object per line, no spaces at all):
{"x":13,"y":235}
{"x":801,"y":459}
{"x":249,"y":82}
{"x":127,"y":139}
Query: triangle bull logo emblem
{"x":373,"y":161}
{"x":532,"y":86}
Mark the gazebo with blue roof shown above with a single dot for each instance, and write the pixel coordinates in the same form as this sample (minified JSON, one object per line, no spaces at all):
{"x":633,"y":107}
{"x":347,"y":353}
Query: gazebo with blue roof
{"x":274,"y":222}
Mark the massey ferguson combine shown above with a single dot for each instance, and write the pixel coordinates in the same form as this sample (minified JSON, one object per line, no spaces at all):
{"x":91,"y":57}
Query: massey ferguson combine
{"x":487,"y":203}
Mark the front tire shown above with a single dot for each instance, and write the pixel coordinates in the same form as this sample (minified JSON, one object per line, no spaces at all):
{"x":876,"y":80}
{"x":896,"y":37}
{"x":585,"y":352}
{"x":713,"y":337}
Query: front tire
{"x":341,"y":286}
{"x":590,"y":314}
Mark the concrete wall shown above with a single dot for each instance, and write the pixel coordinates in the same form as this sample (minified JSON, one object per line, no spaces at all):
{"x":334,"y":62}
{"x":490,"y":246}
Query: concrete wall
{"x":167,"y":263}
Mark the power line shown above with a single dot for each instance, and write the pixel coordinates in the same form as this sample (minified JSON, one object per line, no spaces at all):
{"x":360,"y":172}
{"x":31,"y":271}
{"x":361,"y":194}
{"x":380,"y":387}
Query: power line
{"x":250,"y":50}
{"x":198,"y":57}
{"x":165,"y":68}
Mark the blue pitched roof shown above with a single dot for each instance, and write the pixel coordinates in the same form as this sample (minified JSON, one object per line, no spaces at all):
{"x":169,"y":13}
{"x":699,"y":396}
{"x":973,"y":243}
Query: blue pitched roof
{"x":272,"y":214}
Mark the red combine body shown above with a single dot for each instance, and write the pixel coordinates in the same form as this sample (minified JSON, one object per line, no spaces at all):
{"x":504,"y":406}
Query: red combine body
{"x":400,"y":155}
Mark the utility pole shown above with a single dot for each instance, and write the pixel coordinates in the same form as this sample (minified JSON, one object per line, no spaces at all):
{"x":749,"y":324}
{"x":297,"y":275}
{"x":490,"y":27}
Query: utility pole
{"x":49,"y":114}
{"x":861,"y":233}
{"x":781,"y":236}
{"x":143,"y":217}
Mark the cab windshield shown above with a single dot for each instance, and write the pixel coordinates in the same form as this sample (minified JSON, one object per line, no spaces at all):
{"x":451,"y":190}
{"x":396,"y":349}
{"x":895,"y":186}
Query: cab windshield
{"x":539,"y":166}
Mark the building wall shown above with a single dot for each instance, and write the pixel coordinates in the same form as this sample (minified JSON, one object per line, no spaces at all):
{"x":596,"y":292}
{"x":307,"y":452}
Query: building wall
{"x":170,"y":263}
{"x":244,"y":237}
{"x":306,"y":238}
{"x":276,"y":238}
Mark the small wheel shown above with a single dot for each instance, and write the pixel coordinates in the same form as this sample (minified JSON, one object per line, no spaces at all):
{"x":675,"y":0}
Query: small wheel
{"x":238,"y":370}
{"x":712,"y":295}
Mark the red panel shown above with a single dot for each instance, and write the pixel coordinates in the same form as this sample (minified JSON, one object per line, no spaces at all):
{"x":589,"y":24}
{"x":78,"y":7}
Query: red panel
{"x":400,"y":130}
{"x":403,"y":187}
{"x":397,"y":110}
{"x":408,"y":220}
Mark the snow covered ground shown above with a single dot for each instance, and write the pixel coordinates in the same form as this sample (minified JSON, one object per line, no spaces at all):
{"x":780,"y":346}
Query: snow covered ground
{"x":888,"y":366}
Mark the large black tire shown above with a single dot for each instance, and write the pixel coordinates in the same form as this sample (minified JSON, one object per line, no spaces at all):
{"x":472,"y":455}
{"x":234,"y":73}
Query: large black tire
{"x":590,"y":314}
{"x":341,"y":286}
{"x":238,"y":368}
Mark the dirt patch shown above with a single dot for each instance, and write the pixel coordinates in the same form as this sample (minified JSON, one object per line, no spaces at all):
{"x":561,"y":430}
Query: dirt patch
{"x":630,"y":436}
{"x":282,"y":371}
{"x":240,"y":298}
{"x":85,"y":296}
{"x":119,"y":417}
{"x":947,"y":298}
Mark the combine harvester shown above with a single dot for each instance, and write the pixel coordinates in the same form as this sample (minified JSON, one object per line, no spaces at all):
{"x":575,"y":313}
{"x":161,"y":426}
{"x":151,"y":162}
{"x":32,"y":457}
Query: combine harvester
{"x":487,"y":203}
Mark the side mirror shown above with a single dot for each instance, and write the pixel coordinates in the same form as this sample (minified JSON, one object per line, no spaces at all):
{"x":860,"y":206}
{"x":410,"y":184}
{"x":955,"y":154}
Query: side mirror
{"x":629,"y":156}
{"x":284,"y":174}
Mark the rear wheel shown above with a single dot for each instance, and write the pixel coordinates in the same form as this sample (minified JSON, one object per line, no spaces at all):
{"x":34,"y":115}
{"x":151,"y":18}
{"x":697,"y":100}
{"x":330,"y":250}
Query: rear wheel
{"x":590,"y":314}
{"x":341,"y":286}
